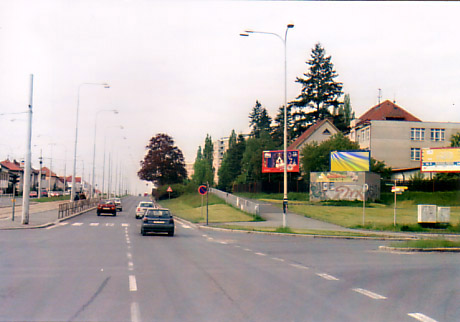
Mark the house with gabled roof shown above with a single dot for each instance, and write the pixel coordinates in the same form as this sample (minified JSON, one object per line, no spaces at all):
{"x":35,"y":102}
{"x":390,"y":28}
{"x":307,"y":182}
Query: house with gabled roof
{"x":318,"y":132}
{"x":396,"y":137}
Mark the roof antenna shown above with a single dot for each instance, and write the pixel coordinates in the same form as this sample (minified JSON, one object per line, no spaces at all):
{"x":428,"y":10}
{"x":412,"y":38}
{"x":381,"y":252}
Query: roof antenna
{"x":379,"y":96}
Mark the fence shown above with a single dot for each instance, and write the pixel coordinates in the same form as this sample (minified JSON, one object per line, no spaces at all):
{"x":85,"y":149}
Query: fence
{"x":70,"y":208}
{"x":237,"y":202}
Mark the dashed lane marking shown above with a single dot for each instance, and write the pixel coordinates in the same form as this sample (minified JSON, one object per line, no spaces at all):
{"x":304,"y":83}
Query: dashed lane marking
{"x":370,"y":294}
{"x":135,"y":312}
{"x":299,"y":266}
{"x":261,"y":254}
{"x":421,"y":317}
{"x":125,"y":225}
{"x":94,"y":224}
{"x":77,"y":224}
{"x":327,"y":276}
{"x":278,"y":259}
{"x":109,"y":224}
{"x":132,"y":283}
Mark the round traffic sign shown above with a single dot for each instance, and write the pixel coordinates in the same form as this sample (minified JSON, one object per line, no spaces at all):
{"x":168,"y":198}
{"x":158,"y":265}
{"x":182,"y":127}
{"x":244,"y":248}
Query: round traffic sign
{"x":202,"y":190}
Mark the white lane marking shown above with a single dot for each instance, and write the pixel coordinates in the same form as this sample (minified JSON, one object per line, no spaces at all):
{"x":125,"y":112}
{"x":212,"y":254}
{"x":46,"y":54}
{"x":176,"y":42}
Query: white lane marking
{"x":135,"y":312}
{"x":421,"y":317}
{"x":109,"y":224}
{"x":278,"y":259}
{"x":370,"y":294}
{"x":77,"y":224}
{"x":204,"y":236}
{"x":327,"y":276}
{"x":223,"y":243}
{"x":125,"y":225}
{"x":63,"y":223}
{"x":261,"y":254}
{"x":299,"y":266}
{"x":129,"y":255}
{"x":237,"y":246}
{"x":94,"y":224}
{"x":132,"y":283}
{"x":186,"y":226}
{"x":247,"y":249}
{"x":130,"y":266}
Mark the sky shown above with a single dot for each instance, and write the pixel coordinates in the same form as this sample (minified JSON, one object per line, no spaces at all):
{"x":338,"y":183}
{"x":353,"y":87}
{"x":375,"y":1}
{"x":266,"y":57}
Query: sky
{"x":182,"y":68}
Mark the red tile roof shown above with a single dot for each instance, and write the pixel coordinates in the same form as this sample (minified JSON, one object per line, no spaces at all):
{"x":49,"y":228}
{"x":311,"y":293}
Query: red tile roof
{"x":46,"y":172}
{"x":77,"y":179}
{"x":388,"y":111}
{"x":305,"y":135}
{"x":13,"y":166}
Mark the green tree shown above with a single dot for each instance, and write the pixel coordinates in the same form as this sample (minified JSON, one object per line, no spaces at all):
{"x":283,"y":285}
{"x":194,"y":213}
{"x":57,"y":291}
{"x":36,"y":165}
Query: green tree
{"x":455,"y":140}
{"x":259,"y":120}
{"x":203,"y":171}
{"x":277,"y":130}
{"x":251,"y":164}
{"x":320,"y":92}
{"x":163,"y":162}
{"x":230,"y":168}
{"x":344,"y":116}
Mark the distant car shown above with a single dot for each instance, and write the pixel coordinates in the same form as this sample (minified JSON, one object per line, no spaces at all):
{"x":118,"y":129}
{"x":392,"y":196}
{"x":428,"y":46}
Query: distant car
{"x":44,"y":193}
{"x":157,"y":220}
{"x":55,"y":193}
{"x":118,"y":204}
{"x":33,"y":194}
{"x":142,"y":207}
{"x":106,"y":207}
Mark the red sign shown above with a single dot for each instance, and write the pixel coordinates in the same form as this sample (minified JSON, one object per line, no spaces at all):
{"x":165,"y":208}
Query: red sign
{"x":169,"y":189}
{"x":202,"y":190}
{"x":273,"y":161}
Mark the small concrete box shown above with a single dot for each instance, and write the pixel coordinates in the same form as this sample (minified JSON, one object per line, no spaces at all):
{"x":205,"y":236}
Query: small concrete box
{"x":426,"y":214}
{"x":443,"y":216}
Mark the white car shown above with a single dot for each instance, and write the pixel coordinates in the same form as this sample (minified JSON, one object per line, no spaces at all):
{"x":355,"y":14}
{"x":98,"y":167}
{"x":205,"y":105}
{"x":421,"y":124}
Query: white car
{"x":118,"y":204}
{"x":142,"y":207}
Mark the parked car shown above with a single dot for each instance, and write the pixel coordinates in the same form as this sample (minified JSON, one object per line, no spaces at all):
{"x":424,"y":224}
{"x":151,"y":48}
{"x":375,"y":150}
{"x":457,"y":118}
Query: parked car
{"x":55,"y":193}
{"x":44,"y":193}
{"x":118,"y":204}
{"x":142,"y":207}
{"x":157,"y":220}
{"x":106,"y":207}
{"x":33,"y":194}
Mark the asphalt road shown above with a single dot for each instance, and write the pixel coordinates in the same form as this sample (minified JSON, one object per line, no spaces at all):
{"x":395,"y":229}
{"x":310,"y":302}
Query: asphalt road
{"x":94,"y":268}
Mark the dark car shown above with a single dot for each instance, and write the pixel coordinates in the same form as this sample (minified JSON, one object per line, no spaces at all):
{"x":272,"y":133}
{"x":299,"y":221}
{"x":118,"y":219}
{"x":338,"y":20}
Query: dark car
{"x":106,"y":207}
{"x":157,"y":220}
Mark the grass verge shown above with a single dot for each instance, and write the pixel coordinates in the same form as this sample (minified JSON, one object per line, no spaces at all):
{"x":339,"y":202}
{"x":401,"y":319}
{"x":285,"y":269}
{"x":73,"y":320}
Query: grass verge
{"x":427,"y":243}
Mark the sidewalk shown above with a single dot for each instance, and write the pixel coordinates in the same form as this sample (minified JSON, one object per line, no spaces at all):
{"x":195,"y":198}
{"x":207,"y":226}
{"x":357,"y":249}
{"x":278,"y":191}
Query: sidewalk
{"x":41,"y":215}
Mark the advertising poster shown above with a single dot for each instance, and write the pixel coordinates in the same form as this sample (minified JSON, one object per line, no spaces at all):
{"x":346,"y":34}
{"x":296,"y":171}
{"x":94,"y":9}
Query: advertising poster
{"x":273,"y":161}
{"x":350,"y":161}
{"x":440,"y":160}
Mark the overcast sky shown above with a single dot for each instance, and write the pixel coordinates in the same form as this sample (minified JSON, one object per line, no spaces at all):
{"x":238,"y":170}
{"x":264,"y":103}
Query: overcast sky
{"x":180,"y":67}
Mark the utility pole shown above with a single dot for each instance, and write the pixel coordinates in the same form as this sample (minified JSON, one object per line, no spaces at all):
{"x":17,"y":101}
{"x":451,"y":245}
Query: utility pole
{"x":40,"y":176}
{"x":26,"y":187}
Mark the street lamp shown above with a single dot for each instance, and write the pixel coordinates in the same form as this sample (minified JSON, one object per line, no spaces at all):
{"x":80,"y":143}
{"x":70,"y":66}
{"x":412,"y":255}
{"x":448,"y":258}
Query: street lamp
{"x":72,"y":193}
{"x":94,"y":147}
{"x":283,"y":40}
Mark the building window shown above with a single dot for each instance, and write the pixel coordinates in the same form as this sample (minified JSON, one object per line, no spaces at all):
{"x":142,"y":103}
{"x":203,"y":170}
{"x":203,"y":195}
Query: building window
{"x":417,"y":134}
{"x":437,"y":135}
{"x":415,"y":154}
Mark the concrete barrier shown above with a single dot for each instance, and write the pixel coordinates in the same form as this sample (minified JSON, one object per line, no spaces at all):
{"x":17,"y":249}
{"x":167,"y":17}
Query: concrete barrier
{"x":237,"y":202}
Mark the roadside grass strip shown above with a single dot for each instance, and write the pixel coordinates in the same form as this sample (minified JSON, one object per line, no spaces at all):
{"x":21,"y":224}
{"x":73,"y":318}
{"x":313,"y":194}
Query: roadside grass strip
{"x":421,"y":317}
{"x":370,"y":294}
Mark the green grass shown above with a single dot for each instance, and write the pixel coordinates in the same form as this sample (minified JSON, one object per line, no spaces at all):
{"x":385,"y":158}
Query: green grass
{"x":46,"y":199}
{"x":427,"y":243}
{"x":188,"y":206}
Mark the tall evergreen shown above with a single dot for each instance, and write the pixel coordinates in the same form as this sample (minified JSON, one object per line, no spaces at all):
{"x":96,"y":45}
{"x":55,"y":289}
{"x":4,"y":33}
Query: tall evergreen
{"x":277,"y":130}
{"x":259,"y":120}
{"x":320,"y":94}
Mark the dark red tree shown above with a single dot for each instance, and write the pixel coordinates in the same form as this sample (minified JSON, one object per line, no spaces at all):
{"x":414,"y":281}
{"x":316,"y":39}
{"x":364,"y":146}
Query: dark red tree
{"x":164,"y":163}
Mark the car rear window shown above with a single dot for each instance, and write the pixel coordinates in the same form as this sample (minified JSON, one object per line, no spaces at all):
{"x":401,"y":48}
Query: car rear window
{"x":146,"y":204}
{"x":158,"y":213}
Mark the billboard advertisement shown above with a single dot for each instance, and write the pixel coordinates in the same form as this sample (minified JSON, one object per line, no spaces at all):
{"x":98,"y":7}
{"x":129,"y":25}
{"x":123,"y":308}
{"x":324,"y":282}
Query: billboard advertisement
{"x":273,"y":161}
{"x":440,"y":160}
{"x":351,"y":160}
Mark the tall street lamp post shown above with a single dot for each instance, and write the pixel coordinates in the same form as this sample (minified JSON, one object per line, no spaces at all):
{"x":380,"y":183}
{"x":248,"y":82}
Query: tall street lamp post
{"x":283,"y":40}
{"x":94,"y":148}
{"x":73,"y":191}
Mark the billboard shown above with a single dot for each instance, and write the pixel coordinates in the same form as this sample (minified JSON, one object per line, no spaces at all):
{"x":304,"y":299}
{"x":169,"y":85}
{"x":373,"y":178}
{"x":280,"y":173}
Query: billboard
{"x":273,"y":161}
{"x":440,"y":160}
{"x":351,"y":160}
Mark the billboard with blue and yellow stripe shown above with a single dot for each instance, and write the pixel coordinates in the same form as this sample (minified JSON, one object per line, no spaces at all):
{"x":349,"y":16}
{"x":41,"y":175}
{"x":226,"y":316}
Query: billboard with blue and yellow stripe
{"x":358,"y":160}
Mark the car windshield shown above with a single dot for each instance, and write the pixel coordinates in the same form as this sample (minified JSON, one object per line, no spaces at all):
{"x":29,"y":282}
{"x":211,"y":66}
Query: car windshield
{"x":146,"y":204}
{"x":107,"y":202}
{"x":158,"y":213}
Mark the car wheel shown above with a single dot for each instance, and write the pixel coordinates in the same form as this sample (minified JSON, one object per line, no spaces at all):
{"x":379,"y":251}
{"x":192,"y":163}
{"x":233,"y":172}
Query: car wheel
{"x":171,"y":233}
{"x":143,"y":232}
{"x":98,"y":213}
{"x":114,"y":214}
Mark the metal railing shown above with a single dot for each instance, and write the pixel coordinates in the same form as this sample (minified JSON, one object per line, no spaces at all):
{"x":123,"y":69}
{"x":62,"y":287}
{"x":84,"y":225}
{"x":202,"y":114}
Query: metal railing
{"x":69,"y":208}
{"x":237,"y":202}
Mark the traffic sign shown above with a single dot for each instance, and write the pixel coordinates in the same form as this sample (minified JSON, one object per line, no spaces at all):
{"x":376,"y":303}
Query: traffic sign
{"x":202,"y":190}
{"x":169,"y":189}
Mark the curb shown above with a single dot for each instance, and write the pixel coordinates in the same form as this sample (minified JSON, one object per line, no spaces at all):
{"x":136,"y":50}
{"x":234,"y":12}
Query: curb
{"x":410,"y":249}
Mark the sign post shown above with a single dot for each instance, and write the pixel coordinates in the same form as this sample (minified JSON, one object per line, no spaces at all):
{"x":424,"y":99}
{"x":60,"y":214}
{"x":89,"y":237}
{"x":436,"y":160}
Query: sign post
{"x":203,"y":190}
{"x":365,"y":188}
{"x":397,"y":191}
{"x":169,"y":190}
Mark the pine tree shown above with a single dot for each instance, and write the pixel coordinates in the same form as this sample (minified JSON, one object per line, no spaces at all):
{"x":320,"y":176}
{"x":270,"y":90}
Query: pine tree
{"x":259,"y":120}
{"x":277,"y":130}
{"x":320,"y":92}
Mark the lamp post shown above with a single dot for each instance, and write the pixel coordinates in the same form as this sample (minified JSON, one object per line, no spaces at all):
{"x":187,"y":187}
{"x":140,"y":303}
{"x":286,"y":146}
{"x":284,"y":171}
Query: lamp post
{"x":94,"y":147}
{"x":283,"y":40}
{"x":73,"y":191}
